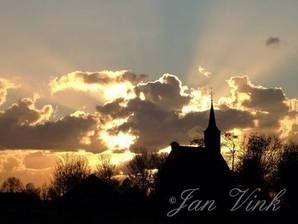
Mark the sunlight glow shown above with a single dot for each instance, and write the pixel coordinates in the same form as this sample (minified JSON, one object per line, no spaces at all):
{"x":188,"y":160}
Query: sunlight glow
{"x":199,"y":102}
{"x":120,"y":90}
{"x":165,"y":150}
{"x":119,"y":141}
{"x":109,"y":84}
{"x":286,"y":126}
{"x":118,"y":158}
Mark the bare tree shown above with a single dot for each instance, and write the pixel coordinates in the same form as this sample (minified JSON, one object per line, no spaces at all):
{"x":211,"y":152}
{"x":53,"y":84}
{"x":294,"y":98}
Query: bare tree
{"x":44,"y":192}
{"x":252,"y":165}
{"x":12,"y":185}
{"x":286,"y":174}
{"x":142,"y":170}
{"x":231,"y":142}
{"x":105,"y":169}
{"x":32,"y":190}
{"x":69,"y":172}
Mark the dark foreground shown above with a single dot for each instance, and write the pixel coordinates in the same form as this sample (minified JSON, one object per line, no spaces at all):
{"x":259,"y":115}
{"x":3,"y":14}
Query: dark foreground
{"x":52,"y":213}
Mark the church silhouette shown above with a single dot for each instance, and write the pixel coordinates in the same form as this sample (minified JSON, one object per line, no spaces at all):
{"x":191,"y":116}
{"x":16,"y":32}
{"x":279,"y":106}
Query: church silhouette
{"x":189,"y":167}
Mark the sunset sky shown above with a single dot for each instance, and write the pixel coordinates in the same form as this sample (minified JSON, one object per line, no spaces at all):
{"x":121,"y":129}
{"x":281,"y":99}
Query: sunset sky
{"x":122,"y":77}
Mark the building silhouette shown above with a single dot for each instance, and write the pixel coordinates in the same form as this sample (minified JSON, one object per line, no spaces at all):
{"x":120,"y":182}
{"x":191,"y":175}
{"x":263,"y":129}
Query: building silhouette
{"x":189,"y":167}
{"x":212,"y":133}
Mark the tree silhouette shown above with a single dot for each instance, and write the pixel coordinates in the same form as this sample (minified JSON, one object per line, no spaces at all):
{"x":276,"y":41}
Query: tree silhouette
{"x":142,"y":170}
{"x":265,"y":162}
{"x":287,"y":168}
{"x":259,"y":160}
{"x":12,"y":185}
{"x":231,"y":142}
{"x":105,"y":170}
{"x":251,"y":168}
{"x":44,"y":192}
{"x":32,"y":190}
{"x":69,"y":172}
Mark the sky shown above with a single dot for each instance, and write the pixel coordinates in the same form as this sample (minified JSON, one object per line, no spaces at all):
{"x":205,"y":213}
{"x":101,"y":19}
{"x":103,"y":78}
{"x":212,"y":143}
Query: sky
{"x":121,"y":77}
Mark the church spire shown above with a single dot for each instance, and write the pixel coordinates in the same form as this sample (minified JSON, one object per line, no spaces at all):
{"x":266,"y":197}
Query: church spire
{"x":212,"y":133}
{"x":212,"y":120}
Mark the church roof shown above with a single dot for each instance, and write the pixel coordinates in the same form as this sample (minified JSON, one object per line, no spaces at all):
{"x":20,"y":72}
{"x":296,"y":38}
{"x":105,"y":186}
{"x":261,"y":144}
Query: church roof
{"x":192,"y":167}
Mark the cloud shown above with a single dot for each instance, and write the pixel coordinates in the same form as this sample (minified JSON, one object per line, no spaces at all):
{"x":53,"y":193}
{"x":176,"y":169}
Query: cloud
{"x":39,"y":160}
{"x":110,"y":84}
{"x":293,"y":134}
{"x":24,"y":113}
{"x":148,"y":117}
{"x":36,"y":166}
{"x":269,"y":105}
{"x":10,"y":164}
{"x":272,"y":41}
{"x":4,"y":86}
{"x":23,"y":126}
{"x":167,"y":92}
{"x":156,"y":128}
{"x":204,"y":72}
{"x":155,"y":115}
{"x":259,"y":98}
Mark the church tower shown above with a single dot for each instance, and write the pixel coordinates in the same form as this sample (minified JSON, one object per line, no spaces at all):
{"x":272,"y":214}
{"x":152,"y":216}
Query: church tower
{"x":212,"y":133}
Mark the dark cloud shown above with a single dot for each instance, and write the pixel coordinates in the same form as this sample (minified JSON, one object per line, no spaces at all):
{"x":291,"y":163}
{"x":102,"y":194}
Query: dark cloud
{"x":270,"y":104}
{"x":105,"y":77}
{"x":271,"y":100}
{"x":156,"y":118}
{"x":272,"y":41}
{"x":23,"y":126}
{"x":80,"y":80}
{"x":24,"y":113}
{"x":154,"y":115}
{"x":157,"y":127}
{"x":93,"y":78}
{"x":165,"y":93}
{"x":132,"y":77}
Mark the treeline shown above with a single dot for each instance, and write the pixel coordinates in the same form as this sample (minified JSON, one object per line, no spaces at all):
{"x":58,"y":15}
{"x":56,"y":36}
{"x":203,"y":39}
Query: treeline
{"x":258,"y":162}
{"x":70,"y":170}
{"x":270,"y":164}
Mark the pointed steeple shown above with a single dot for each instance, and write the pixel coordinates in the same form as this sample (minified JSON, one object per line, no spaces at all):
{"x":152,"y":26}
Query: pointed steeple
{"x":212,"y":133}
{"x":212,"y":120}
